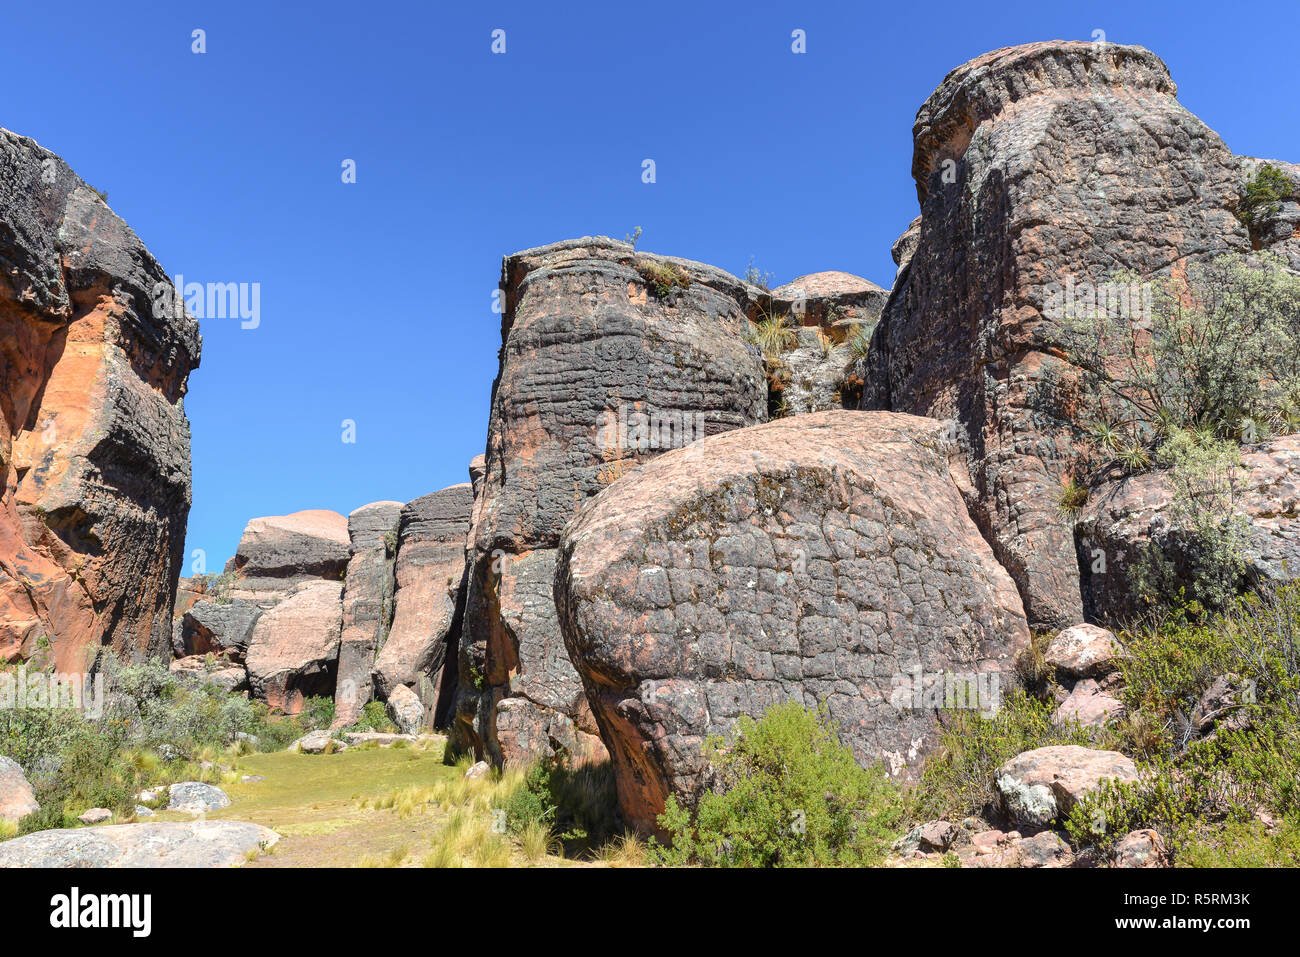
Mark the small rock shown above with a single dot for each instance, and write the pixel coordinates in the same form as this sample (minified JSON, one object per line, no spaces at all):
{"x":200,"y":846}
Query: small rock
{"x":1142,"y":848}
{"x":195,"y":797}
{"x":932,"y":837}
{"x":1040,"y":786}
{"x":253,"y":778}
{"x":1220,"y":704}
{"x":96,"y":815}
{"x":1089,"y":706}
{"x":17,"y":799}
{"x":142,"y":811}
{"x":1083,"y":651}
{"x":406,"y":710}
{"x":478,"y":770}
{"x":1045,"y":849}
{"x":318,"y":742}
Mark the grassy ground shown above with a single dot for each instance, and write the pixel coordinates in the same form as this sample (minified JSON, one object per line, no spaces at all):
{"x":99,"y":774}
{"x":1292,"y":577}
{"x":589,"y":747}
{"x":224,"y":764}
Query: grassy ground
{"x":378,"y":807}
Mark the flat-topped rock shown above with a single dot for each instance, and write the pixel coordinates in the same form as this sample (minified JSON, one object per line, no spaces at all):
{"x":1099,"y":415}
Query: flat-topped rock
{"x":153,"y":844}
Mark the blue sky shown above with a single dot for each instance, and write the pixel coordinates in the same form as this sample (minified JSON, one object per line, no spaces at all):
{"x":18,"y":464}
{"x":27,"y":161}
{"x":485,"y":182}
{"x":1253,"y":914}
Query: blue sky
{"x":376,"y":296}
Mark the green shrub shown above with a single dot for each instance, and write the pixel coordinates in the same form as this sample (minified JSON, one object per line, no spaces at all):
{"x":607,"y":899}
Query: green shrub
{"x":374,"y":717}
{"x":1202,"y":557}
{"x":1201,"y":788}
{"x":1263,"y":194}
{"x":662,"y":278}
{"x":788,"y":795}
{"x":1218,"y":351}
{"x":958,"y":778}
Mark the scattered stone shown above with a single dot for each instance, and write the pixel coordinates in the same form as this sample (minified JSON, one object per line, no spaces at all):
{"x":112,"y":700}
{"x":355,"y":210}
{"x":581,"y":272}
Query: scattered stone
{"x":152,"y":844}
{"x":1143,"y":848}
{"x":195,"y":797}
{"x":1220,"y":705}
{"x":142,"y":811}
{"x":406,"y":710}
{"x":1045,"y":849}
{"x":318,"y":742}
{"x":932,"y":837}
{"x":1089,"y":706}
{"x":478,"y":770}
{"x":1039,"y":787}
{"x":252,"y":778}
{"x":1083,"y":651}
{"x":96,"y":815}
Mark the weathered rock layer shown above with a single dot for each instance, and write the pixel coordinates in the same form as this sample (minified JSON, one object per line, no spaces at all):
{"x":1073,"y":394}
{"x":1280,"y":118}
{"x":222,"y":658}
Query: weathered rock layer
{"x":828,"y":557}
{"x":94,"y":443}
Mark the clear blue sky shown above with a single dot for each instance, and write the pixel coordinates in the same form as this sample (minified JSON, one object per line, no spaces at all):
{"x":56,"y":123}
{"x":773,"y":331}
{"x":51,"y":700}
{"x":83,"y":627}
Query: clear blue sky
{"x":376,"y":297}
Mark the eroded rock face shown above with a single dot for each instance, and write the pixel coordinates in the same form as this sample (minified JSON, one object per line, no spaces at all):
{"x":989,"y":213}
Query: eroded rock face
{"x":94,"y":443}
{"x":827,"y":556}
{"x":216,"y":627}
{"x":278,"y":552}
{"x":1037,"y":165}
{"x":601,"y":346}
{"x":421,"y":648}
{"x":1122,"y":519}
{"x":367,"y":604}
{"x":294,"y":651}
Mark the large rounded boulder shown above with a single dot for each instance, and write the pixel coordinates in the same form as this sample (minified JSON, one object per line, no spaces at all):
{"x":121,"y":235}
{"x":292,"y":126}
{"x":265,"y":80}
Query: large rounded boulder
{"x":827,"y":557}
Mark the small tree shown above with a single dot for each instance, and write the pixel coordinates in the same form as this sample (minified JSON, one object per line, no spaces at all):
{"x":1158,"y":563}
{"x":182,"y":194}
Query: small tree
{"x":1263,"y":194}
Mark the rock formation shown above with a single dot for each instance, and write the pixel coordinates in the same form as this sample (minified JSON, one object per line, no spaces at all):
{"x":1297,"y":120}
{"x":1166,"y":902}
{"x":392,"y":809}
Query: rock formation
{"x":823,"y":557}
{"x":1037,"y":166}
{"x":94,"y":443}
{"x":421,"y":651}
{"x":609,"y":357}
{"x":830,"y":310}
{"x":367,"y":604}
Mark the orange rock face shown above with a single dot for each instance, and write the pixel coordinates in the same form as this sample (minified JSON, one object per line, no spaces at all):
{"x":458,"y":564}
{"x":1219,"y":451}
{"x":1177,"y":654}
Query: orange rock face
{"x":94,"y":443}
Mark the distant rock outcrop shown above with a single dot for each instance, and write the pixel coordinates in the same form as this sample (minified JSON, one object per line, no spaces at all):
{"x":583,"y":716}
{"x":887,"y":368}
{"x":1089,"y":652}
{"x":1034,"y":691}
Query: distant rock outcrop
{"x":1037,"y":166}
{"x":367,"y":604}
{"x":420,"y":652}
{"x":830,"y":310}
{"x":823,"y":557}
{"x":94,"y":443}
{"x":609,"y":357}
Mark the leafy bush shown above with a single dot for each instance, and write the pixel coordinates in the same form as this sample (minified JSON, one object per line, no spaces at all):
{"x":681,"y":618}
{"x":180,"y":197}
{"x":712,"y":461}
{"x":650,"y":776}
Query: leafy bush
{"x":153,"y":723}
{"x":1263,"y":194}
{"x":1202,"y":557}
{"x":788,"y":795}
{"x":1201,"y":788}
{"x":1212,"y":348}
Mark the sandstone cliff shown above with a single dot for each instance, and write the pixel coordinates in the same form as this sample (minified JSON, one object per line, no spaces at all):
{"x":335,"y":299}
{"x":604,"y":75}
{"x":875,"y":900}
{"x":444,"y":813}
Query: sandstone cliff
{"x":94,"y":443}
